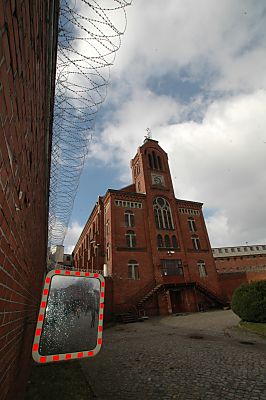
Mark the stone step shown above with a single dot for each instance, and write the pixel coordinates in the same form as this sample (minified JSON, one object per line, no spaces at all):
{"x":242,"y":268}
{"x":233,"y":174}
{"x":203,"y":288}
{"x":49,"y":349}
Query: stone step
{"x":127,"y":318}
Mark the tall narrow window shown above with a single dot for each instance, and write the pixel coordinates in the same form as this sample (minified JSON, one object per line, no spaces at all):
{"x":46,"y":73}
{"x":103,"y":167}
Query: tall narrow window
{"x":154,"y":160}
{"x":167,"y":241}
{"x":150,"y":161}
{"x":131,"y":239}
{"x":195,"y":242}
{"x":129,"y":218}
{"x":108,"y":251}
{"x":162,"y":214}
{"x":159,"y":163}
{"x":174,"y":242}
{"x":192,"y":225}
{"x":133,"y":270}
{"x":202,"y":269}
{"x":159,"y":241}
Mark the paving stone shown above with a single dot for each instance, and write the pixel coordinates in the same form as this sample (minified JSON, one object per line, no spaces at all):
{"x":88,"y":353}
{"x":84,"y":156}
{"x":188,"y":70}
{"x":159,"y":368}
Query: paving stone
{"x":157,"y":360}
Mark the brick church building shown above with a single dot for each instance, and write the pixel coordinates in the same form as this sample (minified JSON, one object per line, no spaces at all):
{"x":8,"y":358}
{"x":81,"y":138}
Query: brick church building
{"x":153,"y":248}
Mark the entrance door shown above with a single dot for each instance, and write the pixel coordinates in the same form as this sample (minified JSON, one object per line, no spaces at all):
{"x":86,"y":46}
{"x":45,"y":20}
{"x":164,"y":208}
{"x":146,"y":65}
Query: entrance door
{"x":176,"y":301}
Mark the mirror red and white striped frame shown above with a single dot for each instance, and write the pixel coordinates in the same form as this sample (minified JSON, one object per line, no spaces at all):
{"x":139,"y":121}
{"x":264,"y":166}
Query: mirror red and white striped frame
{"x":39,"y":358}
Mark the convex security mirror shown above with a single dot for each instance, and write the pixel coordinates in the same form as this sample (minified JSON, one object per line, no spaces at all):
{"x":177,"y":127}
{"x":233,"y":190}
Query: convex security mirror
{"x":70,"y":320}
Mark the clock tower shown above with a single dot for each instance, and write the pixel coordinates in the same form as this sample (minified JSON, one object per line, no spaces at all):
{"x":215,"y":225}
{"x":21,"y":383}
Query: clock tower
{"x":150,"y":170}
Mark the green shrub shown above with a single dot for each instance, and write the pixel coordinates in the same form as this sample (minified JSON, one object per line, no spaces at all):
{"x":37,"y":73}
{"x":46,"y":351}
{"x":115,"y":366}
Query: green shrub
{"x":249,"y":301}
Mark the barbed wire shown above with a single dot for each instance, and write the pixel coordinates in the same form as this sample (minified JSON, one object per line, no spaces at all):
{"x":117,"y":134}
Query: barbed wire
{"x":88,"y":38}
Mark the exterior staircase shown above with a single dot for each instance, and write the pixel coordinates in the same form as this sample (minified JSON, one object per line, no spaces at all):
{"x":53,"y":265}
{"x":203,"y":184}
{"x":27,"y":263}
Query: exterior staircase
{"x":148,"y":295}
{"x":211,"y":294}
{"x":127,"y":318}
{"x":136,"y":312}
{"x":202,"y":289}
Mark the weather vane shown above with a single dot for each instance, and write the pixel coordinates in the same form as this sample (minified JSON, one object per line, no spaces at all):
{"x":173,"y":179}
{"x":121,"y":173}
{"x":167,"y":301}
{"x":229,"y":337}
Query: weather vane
{"x":148,"y":136}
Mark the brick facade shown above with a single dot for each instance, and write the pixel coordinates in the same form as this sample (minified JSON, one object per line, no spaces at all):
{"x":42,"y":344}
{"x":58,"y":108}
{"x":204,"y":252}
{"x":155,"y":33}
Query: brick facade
{"x":233,"y":259}
{"x":150,"y":243}
{"x":27,"y":70}
{"x":239,"y":264}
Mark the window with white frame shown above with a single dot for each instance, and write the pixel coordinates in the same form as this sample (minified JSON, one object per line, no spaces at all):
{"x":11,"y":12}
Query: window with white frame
{"x":129,"y":219}
{"x":192,"y":225}
{"x":162,"y":214}
{"x":195,"y":242}
{"x":131,"y":239}
{"x":202,"y":269}
{"x":133,"y":270}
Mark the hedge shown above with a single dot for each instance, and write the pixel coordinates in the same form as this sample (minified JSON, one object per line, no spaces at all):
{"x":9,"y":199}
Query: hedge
{"x":249,"y":301}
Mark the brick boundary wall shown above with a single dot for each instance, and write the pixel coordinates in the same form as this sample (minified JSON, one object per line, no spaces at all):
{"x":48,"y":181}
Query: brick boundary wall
{"x":28,"y":40}
{"x":230,"y":281}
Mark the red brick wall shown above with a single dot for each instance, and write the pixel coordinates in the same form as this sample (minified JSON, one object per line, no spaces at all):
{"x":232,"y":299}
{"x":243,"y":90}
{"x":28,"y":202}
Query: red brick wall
{"x":229,"y":282}
{"x":108,"y":300}
{"x":88,"y":253}
{"x":239,"y":262}
{"x":253,"y":276}
{"x":27,"y":51}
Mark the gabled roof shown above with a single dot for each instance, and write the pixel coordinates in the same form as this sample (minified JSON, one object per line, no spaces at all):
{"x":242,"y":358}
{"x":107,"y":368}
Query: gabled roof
{"x":129,"y":188}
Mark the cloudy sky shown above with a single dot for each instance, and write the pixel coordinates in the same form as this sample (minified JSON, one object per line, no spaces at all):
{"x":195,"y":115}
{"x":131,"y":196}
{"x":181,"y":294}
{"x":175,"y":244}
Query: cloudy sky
{"x":194,"y":72}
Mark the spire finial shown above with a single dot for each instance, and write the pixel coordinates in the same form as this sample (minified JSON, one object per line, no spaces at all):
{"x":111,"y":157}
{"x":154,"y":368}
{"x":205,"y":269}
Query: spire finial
{"x":148,"y":136}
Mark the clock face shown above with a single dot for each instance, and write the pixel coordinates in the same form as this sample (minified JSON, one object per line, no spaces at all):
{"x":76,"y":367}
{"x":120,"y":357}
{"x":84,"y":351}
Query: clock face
{"x":157,"y":180}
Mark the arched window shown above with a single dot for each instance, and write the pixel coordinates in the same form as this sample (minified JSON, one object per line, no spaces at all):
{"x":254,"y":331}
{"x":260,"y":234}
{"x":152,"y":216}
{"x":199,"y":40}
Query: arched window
{"x":202,"y":269}
{"x":174,"y":242}
{"x":159,"y":241}
{"x":162,"y":214}
{"x":150,"y":161}
{"x":167,"y":241}
{"x":195,"y":242}
{"x":133,"y":270}
{"x":154,"y":160}
{"x":129,"y":218}
{"x":131,"y":239}
{"x":159,"y":163}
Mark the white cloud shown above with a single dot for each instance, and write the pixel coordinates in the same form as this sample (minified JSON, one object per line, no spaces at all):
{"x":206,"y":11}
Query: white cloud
{"x":224,"y":40}
{"x":127,"y":128}
{"x":72,"y":236}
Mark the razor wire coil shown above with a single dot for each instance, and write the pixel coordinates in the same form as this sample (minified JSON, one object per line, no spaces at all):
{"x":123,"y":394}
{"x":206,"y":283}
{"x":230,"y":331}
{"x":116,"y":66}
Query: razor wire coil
{"x":89,"y":35}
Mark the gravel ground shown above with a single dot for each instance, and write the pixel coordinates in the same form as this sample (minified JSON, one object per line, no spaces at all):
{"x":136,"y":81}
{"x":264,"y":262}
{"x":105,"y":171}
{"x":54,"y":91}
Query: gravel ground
{"x":201,"y":356}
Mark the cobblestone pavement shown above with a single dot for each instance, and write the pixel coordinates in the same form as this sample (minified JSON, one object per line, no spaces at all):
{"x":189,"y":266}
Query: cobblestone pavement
{"x":194,"y":357}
